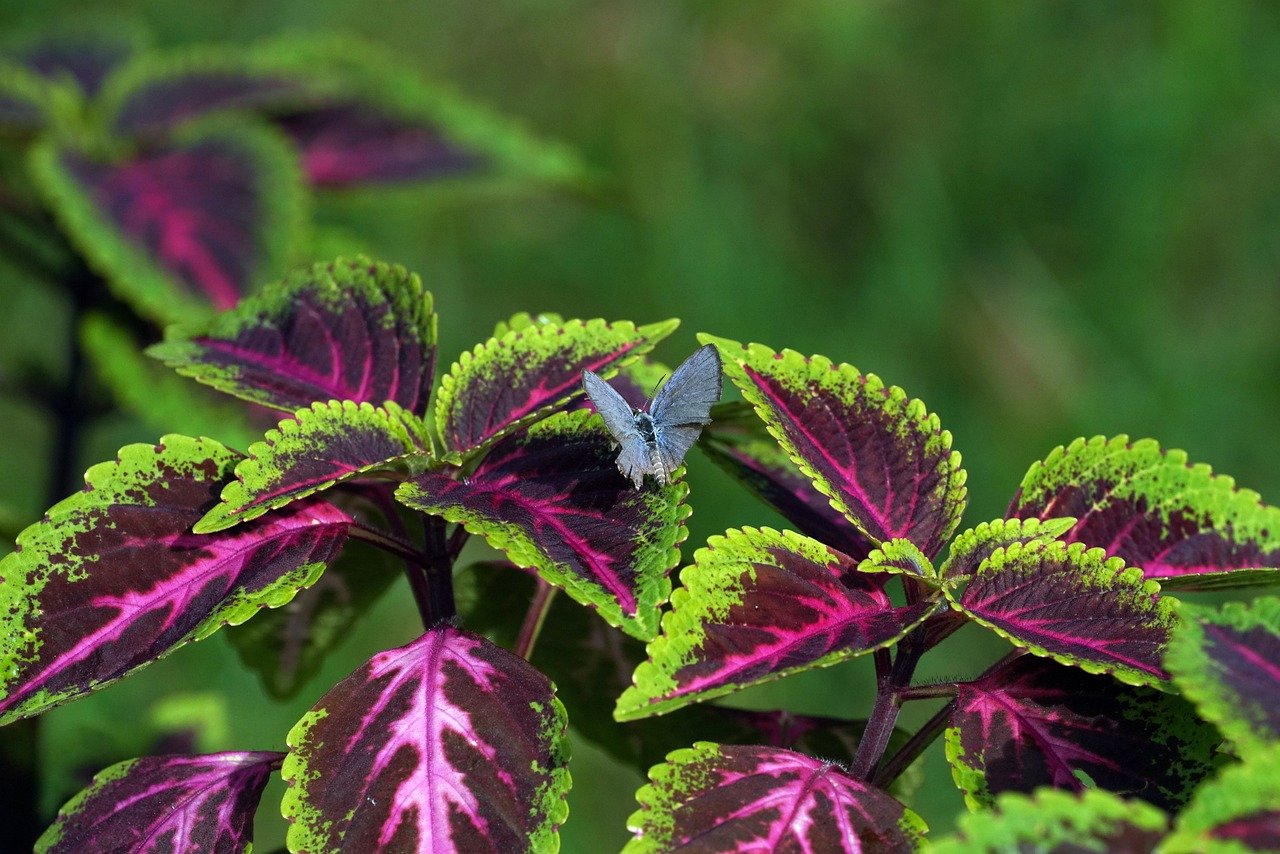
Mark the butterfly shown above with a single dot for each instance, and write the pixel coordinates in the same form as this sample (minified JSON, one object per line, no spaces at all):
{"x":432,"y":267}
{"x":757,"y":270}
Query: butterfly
{"x":655,"y":442}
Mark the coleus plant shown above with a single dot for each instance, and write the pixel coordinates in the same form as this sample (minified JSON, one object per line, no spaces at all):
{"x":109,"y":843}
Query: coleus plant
{"x":1103,"y":727}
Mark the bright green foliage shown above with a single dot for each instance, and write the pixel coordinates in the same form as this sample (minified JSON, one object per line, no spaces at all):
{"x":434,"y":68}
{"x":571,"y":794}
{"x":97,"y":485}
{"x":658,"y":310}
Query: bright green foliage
{"x":1244,"y":797}
{"x":132,"y":272}
{"x":1227,"y":662}
{"x":507,"y":382}
{"x":155,"y":395}
{"x":971,"y":548}
{"x":316,"y":449}
{"x":24,"y":100}
{"x":883,"y":459}
{"x":1054,"y":820}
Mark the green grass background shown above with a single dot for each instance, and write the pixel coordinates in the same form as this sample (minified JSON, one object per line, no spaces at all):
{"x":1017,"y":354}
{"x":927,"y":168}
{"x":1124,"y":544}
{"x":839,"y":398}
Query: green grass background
{"x":1046,"y":219}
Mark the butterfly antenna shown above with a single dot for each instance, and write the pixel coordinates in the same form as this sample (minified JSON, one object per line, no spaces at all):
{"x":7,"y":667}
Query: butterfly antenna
{"x":654,"y":393}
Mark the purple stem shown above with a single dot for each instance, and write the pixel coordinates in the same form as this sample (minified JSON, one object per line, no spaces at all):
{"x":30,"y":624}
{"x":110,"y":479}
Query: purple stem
{"x":884,"y":714}
{"x":915,"y":745}
{"x":533,"y":619}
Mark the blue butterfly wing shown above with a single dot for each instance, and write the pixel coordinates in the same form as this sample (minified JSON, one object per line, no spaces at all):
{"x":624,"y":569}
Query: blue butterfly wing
{"x":687,"y":397}
{"x":633,"y":460}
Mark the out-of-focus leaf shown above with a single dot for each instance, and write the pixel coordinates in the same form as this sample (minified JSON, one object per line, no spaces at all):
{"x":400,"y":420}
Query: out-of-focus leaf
{"x":1237,"y":812}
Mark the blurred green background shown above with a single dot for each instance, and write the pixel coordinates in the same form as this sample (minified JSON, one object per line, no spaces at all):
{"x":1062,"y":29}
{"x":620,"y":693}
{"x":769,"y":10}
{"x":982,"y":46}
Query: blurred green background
{"x":1046,"y":220}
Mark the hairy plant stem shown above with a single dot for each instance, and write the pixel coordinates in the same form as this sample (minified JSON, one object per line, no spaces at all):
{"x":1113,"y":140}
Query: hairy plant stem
{"x":884,"y":713}
{"x":533,"y":619}
{"x":909,"y":752}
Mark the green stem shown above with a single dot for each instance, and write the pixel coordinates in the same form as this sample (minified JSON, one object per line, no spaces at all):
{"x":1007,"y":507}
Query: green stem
{"x":533,"y":619}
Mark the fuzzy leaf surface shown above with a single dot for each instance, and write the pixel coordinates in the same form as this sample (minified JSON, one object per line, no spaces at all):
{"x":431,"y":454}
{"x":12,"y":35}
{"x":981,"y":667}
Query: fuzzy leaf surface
{"x":1152,"y":507}
{"x":1073,"y":605}
{"x":447,"y":744}
{"x":349,"y":329}
{"x":883,"y":460}
{"x":553,"y":500}
{"x":182,"y":229}
{"x":320,"y":447}
{"x":1227,"y":662}
{"x":737,"y":441}
{"x":165,"y":803}
{"x":287,"y":646}
{"x":758,"y":604}
{"x":509,"y":381}
{"x":112,"y":578}
{"x":714,"y":797}
{"x":1037,"y":723}
{"x":1057,"y":821}
{"x":1237,"y":812}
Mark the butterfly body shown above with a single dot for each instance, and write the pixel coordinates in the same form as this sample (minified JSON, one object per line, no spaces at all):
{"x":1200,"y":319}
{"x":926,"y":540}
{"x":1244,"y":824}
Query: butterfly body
{"x":655,"y":442}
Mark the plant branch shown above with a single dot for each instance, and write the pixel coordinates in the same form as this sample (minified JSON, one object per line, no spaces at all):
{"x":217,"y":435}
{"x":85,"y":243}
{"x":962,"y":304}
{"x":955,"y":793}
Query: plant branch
{"x":437,"y":575}
{"x":533,"y":619}
{"x":884,"y":714}
{"x":928,"y":692}
{"x":915,"y":745}
{"x":404,"y":550}
{"x":457,"y":540}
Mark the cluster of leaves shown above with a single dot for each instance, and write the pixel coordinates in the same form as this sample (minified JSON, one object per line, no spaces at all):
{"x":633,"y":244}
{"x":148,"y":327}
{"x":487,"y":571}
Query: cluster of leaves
{"x":1113,"y":695}
{"x":162,"y":186}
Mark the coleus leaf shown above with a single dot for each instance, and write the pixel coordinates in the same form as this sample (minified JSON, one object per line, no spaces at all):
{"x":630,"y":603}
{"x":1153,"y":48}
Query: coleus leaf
{"x":447,"y":744}
{"x":732,"y":798}
{"x":506,"y":382}
{"x":901,"y":557}
{"x":551,"y":497}
{"x":971,"y":548}
{"x":318,"y":448}
{"x":758,"y":604}
{"x":1239,"y":811}
{"x":185,"y":228}
{"x":84,"y":53}
{"x":1153,"y":508}
{"x":112,"y":578}
{"x":882,"y":459}
{"x":156,"y":396}
{"x":1053,"y":820}
{"x":737,"y":441}
{"x":23,"y":100}
{"x":349,"y":329}
{"x":165,"y":803}
{"x":1228,"y":663}
{"x":1032,"y":722}
{"x":591,"y":664}
{"x":287,"y":646}
{"x":1073,"y":605}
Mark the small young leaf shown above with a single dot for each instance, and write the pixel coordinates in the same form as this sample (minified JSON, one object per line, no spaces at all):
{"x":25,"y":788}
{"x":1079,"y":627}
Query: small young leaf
{"x":320,"y":447}
{"x":1237,"y":812}
{"x":1228,"y":663}
{"x":286,"y":646}
{"x":158,"y":397}
{"x":509,"y":381}
{"x":1034,"y":723}
{"x":1155,"y":510}
{"x":737,"y":441}
{"x":1074,"y":606}
{"x":165,"y":803}
{"x":349,"y":329}
{"x":184,"y":228}
{"x":970,"y":549}
{"x":730,"y":798}
{"x":900,"y":557}
{"x":112,"y":579}
{"x":552,"y":499}
{"x":447,"y":744}
{"x":881,"y":458}
{"x":1093,"y":820}
{"x":758,"y":604}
